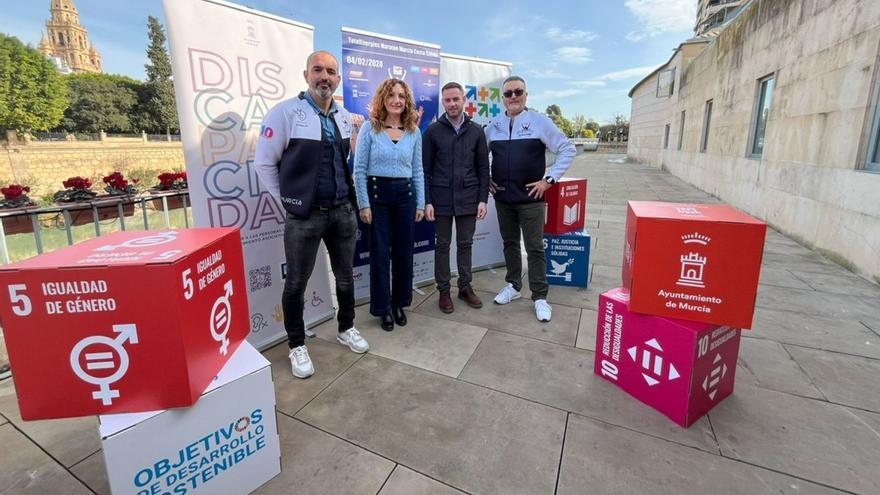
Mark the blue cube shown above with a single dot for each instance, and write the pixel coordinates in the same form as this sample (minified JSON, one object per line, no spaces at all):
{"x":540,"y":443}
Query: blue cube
{"x":568,"y":259}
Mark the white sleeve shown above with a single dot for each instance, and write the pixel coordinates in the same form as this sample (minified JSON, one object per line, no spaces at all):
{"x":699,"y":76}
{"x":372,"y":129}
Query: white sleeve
{"x":557,"y":143}
{"x":271,"y":144}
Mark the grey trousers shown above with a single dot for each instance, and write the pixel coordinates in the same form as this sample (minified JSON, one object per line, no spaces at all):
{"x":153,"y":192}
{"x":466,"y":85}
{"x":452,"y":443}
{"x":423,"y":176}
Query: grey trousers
{"x":527,"y":218}
{"x":465,"y":225}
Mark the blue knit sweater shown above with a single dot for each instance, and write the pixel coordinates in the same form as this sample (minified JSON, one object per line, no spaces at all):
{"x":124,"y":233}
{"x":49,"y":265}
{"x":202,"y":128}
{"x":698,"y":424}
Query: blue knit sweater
{"x":377,"y":154}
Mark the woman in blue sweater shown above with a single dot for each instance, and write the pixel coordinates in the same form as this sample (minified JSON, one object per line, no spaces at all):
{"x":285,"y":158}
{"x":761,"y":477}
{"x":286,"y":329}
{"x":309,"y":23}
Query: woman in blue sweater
{"x":391,"y":194}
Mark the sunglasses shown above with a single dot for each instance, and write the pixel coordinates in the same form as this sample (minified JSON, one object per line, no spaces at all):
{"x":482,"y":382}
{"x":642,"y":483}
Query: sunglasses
{"x":511,"y":92}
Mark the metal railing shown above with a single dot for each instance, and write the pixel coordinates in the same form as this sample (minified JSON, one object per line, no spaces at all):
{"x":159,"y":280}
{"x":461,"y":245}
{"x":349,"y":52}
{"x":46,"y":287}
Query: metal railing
{"x":67,"y":216}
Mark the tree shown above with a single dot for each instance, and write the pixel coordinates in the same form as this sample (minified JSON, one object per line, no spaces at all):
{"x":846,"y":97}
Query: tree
{"x":554,"y":110}
{"x":592,"y":125}
{"x":159,"y":98}
{"x":588,"y":133}
{"x":100,"y":102}
{"x":32,"y":94}
{"x":578,"y":124}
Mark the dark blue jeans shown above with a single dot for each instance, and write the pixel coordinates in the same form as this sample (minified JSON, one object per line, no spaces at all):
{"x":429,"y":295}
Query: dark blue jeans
{"x":337,"y":227}
{"x":393,"y":205}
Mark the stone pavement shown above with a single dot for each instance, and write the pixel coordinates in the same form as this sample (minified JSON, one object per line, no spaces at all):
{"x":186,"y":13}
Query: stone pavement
{"x":492,"y":401}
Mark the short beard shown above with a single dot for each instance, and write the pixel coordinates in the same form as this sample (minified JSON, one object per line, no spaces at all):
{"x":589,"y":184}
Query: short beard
{"x":323,"y":94}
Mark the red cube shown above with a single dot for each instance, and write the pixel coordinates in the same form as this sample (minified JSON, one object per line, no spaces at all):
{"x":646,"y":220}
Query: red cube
{"x":566,"y":206}
{"x":695,"y":262}
{"x":127,"y":322}
{"x":680,"y":368}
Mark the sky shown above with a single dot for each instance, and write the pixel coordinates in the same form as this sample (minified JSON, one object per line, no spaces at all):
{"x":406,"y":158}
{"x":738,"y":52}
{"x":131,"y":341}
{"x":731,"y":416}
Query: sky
{"x":583,"y":55}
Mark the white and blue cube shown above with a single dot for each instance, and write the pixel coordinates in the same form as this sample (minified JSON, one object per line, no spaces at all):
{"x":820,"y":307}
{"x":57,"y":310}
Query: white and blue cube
{"x":568,"y":259}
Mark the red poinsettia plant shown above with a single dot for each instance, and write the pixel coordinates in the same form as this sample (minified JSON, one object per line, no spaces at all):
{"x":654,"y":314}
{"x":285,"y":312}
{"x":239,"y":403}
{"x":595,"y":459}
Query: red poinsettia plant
{"x":75,"y":189}
{"x":118,"y":185}
{"x":15,"y":196}
{"x":172,"y":181}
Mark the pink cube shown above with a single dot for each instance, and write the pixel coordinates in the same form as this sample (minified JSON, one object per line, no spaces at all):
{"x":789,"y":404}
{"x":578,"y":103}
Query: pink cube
{"x":680,"y":368}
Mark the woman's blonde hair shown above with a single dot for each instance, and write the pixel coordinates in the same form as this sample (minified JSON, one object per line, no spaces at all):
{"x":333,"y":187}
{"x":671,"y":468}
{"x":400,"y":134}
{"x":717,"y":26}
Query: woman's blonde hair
{"x":409,"y":118}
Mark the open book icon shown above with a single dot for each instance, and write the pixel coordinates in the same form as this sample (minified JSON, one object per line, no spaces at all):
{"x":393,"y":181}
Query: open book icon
{"x":571,"y":214}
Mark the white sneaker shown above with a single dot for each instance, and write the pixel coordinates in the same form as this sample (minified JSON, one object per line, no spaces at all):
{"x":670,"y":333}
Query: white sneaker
{"x":507,"y":294}
{"x":543,"y":310}
{"x":352,"y":338}
{"x":300,"y":362}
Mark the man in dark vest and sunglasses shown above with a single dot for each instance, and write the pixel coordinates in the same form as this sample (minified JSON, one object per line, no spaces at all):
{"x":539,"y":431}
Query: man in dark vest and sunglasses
{"x":517,"y":140}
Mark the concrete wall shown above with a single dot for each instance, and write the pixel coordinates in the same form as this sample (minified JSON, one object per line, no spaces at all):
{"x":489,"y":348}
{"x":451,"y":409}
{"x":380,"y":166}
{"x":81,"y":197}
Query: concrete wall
{"x":44,"y":165}
{"x":808,"y":183}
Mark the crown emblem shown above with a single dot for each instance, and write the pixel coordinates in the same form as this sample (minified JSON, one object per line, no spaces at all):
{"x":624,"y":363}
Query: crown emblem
{"x":696,"y":238}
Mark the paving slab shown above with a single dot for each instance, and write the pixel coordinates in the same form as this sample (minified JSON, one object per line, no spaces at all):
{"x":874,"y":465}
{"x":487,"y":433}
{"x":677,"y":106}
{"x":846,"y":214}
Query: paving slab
{"x":563,"y":377}
{"x":516,"y":317}
{"x":810,"y":302}
{"x":329,"y":359}
{"x":809,"y":439}
{"x":844,"y":379}
{"x":782,"y":278}
{"x":93,"y":472}
{"x":575,"y":297}
{"x":767,"y":364}
{"x":313,"y":462}
{"x":67,"y":440}
{"x":404,"y":481}
{"x":834,"y":334}
{"x":28,"y":470}
{"x":475,"y":439}
{"x":602,"y":458}
{"x":586,"y":338}
{"x":435,"y":344}
{"x":844,"y":282}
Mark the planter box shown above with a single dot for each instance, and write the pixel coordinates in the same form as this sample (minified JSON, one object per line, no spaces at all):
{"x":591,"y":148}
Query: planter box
{"x":174,"y":202}
{"x":82,"y":214}
{"x":20,"y":223}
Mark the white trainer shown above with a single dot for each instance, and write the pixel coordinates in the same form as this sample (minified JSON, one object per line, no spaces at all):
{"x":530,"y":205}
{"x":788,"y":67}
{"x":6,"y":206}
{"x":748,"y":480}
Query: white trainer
{"x":352,"y":338}
{"x":507,"y":294}
{"x":543,"y":310}
{"x":300,"y":362}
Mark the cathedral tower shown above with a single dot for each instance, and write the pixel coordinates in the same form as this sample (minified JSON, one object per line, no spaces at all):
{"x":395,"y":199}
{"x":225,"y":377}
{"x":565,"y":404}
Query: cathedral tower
{"x":68,"y":40}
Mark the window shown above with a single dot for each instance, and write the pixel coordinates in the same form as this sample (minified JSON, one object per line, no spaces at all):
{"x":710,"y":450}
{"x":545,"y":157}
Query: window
{"x":873,"y":161}
{"x":707,"y":120}
{"x":666,"y":137}
{"x":681,"y":130}
{"x":665,"y":83}
{"x":763,"y":98}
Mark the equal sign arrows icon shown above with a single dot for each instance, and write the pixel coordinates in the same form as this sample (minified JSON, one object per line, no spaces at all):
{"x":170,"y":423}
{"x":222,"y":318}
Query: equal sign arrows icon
{"x":653,"y":363}
{"x":711,"y":381}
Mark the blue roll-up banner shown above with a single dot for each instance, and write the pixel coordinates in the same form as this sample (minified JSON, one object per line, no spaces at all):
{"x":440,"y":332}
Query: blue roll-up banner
{"x":367,"y":60}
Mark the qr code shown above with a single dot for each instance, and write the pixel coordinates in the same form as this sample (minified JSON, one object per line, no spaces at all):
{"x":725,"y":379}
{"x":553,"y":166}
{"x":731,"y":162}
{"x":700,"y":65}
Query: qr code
{"x":260,"y":278}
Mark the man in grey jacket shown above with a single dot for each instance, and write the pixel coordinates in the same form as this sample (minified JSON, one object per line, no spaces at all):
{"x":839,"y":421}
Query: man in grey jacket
{"x":455,"y":159}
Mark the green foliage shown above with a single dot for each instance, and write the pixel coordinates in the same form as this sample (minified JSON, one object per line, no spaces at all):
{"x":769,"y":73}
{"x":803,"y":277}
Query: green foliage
{"x":101,"y":102}
{"x":32,"y":94}
{"x":159,"y":99}
{"x":588,"y":133}
{"x":145,"y":177}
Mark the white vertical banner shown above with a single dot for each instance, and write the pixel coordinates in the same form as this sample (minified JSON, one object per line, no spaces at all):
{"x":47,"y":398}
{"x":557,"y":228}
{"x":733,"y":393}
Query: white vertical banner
{"x":231,"y":64}
{"x":481,"y":80}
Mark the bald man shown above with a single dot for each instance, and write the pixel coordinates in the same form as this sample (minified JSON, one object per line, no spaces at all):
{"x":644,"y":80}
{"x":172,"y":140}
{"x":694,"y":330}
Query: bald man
{"x":302,"y":160}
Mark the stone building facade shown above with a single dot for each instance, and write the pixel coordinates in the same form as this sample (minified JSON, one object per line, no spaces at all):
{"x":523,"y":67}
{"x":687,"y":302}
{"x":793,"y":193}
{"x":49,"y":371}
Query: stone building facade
{"x":68,"y":41}
{"x":778,"y":115}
